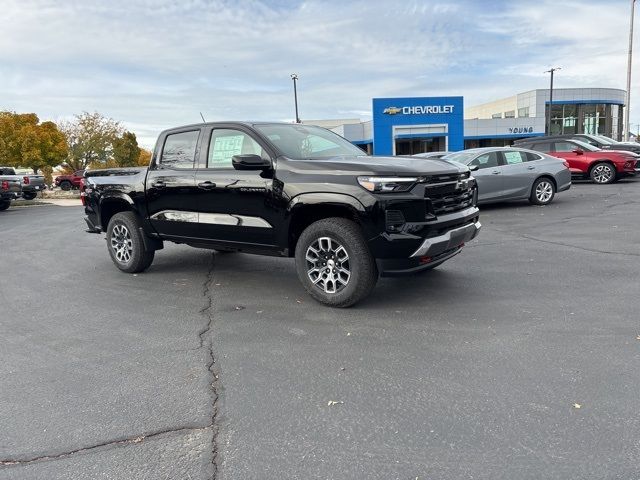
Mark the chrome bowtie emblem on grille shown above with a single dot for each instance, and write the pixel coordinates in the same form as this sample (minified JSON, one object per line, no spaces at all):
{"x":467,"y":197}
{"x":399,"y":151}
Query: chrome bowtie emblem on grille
{"x":462,"y":184}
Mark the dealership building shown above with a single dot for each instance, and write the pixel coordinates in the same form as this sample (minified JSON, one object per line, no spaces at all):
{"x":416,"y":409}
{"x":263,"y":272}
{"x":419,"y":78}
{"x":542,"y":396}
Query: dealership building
{"x":406,"y":126}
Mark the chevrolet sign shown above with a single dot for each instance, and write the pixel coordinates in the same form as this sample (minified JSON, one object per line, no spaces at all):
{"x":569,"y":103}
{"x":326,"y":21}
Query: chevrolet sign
{"x":419,"y":110}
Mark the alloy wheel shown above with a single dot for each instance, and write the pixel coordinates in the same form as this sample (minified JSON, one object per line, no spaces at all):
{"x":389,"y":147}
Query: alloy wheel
{"x":602,"y":174}
{"x":121,"y":243}
{"x":328,"y":265}
{"x":544,"y":192}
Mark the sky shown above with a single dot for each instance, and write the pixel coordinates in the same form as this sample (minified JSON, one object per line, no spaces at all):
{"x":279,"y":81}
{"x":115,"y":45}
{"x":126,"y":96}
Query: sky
{"x":156,"y":64}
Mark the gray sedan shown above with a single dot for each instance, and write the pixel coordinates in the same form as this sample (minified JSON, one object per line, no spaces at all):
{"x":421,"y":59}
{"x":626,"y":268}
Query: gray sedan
{"x":506,"y":173}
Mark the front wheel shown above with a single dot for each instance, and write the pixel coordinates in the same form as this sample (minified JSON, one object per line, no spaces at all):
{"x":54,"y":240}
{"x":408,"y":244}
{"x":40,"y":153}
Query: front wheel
{"x":65,"y":185}
{"x":542,"y":192}
{"x":126,"y":244}
{"x":334,"y":264}
{"x":603,"y":173}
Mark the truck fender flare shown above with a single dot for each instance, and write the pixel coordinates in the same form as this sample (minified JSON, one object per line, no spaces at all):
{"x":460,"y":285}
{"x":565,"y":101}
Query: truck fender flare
{"x":115,"y":196}
{"x":337,"y":199}
{"x":110,"y":198}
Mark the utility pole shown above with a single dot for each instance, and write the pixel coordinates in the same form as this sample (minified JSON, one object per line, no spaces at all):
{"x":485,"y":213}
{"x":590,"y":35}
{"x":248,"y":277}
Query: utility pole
{"x":553,"y":69}
{"x":294,"y":77}
{"x":628,"y":100}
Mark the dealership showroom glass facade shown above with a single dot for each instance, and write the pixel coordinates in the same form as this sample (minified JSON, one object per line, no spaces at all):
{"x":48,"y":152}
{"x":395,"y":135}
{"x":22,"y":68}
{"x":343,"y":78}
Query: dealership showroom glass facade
{"x":406,"y":126}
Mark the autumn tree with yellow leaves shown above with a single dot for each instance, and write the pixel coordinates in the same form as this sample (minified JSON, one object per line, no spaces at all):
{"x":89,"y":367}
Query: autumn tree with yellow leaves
{"x":25,"y":142}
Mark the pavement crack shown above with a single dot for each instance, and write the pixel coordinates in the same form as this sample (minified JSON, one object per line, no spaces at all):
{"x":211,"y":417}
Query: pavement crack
{"x":569,"y":245}
{"x":207,"y":343}
{"x":111,"y":443}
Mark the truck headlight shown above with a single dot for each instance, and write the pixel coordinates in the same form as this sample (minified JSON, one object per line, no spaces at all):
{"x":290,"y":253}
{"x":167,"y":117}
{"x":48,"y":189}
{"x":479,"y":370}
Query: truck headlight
{"x":387,"y":184}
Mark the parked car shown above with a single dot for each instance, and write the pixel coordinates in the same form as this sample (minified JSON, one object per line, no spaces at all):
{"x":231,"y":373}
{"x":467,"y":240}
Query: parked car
{"x":286,"y":190}
{"x":31,"y":183}
{"x":431,"y":154}
{"x":587,"y":161}
{"x":598,"y":141}
{"x":505,"y":173}
{"x":67,"y":182}
{"x":10,"y":189}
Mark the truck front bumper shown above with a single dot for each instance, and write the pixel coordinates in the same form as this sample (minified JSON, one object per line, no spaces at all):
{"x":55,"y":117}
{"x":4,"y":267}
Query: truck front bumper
{"x":406,"y":252}
{"x":435,"y":246}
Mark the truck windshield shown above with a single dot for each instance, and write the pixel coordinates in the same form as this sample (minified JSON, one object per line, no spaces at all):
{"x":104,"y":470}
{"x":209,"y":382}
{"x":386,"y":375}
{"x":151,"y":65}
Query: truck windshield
{"x":306,"y":142}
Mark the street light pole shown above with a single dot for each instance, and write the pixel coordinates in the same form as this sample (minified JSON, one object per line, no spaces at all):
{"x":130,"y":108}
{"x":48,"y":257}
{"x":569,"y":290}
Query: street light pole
{"x":628,"y":99}
{"x":294,"y":77}
{"x":551,"y":70}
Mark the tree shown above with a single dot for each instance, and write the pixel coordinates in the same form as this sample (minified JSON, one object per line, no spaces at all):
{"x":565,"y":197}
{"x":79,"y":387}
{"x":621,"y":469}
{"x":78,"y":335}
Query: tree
{"x":25,"y":142}
{"x":90,"y":139}
{"x":125,"y":150}
{"x":144,"y":159}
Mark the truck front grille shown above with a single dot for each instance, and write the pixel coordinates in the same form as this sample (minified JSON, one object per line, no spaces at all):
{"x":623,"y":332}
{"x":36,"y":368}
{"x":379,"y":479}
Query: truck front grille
{"x":449,"y":193}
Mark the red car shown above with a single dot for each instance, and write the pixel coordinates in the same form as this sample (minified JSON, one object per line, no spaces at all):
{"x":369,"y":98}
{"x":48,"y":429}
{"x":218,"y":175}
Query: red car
{"x":67,"y":182}
{"x":587,"y":161}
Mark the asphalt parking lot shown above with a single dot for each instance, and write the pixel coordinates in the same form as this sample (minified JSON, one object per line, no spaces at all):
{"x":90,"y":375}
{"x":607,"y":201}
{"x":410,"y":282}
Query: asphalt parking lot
{"x":516,"y":359}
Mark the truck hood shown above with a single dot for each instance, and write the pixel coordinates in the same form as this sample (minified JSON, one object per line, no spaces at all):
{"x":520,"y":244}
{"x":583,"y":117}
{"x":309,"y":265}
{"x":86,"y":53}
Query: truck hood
{"x":368,"y":165}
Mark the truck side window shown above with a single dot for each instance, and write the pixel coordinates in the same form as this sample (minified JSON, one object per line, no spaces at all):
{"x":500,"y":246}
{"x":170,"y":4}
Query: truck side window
{"x":179,"y":150}
{"x":225,"y":143}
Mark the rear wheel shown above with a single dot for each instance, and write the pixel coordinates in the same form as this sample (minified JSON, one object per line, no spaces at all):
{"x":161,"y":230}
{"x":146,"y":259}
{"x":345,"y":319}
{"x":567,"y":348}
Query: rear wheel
{"x":29,"y":196}
{"x":603,"y":173}
{"x":126,"y":243}
{"x":65,"y":185}
{"x":334,"y":264}
{"x":4,"y":204}
{"x":542,"y":192}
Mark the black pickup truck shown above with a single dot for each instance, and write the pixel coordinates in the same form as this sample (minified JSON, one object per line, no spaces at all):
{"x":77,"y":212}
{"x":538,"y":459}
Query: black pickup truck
{"x":288,"y":190}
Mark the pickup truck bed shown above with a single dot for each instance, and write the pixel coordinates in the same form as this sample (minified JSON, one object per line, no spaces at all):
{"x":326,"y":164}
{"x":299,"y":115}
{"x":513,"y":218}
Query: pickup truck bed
{"x":10,"y":189}
{"x":30,"y":184}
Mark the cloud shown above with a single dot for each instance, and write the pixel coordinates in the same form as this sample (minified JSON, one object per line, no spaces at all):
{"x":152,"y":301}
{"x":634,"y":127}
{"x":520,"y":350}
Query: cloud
{"x":156,"y":64}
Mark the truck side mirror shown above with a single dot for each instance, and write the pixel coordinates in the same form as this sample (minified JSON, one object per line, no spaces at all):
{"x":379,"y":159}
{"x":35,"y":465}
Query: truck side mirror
{"x":250,"y":162}
{"x":578,"y":151}
{"x":473,"y":168}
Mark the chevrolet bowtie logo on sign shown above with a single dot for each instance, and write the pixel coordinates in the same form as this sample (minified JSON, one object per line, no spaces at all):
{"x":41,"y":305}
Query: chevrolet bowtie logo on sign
{"x":419,"y":110}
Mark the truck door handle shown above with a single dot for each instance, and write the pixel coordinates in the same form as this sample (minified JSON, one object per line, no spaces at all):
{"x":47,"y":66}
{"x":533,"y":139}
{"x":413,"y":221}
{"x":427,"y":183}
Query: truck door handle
{"x":531,"y":167}
{"x":207,"y":185}
{"x":496,"y":172}
{"x":158,"y":184}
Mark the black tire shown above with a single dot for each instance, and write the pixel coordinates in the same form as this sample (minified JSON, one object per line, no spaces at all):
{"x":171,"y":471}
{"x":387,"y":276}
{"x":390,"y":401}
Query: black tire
{"x":350,"y":254}
{"x":602,"y":173}
{"x":66,"y":185}
{"x":542,"y":191}
{"x":126,"y":245}
{"x":4,"y":204}
{"x":29,"y":195}
{"x":225,"y":250}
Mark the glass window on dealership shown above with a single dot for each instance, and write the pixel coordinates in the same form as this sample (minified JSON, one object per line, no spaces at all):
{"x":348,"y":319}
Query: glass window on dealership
{"x":594,"y":118}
